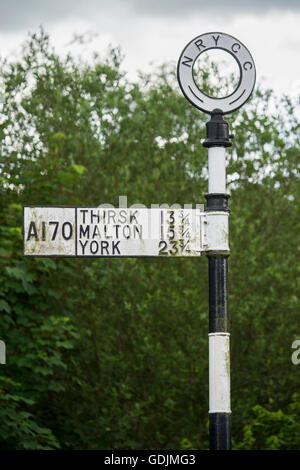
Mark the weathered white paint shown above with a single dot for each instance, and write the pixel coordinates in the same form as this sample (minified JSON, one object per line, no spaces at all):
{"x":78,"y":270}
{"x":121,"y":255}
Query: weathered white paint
{"x":112,"y":232}
{"x":215,"y":231}
{"x":43,"y":229}
{"x":217,"y":170}
{"x":219,"y":373}
{"x":2,"y":353}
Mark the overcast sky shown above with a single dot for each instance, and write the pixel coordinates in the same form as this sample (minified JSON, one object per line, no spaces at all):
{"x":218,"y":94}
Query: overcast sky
{"x":154,"y":31}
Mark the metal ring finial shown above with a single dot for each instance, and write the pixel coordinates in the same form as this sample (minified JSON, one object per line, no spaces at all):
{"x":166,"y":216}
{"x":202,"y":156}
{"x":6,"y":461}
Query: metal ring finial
{"x":186,"y":63}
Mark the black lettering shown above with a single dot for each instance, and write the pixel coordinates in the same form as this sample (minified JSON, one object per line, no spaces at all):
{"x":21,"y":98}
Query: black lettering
{"x":186,"y":246}
{"x":104,"y":246}
{"x":83,"y":211}
{"x":55,"y":230}
{"x":105,"y":232}
{"x":127,"y":227}
{"x":122,"y":216}
{"x":216,"y":39}
{"x":162,"y":246}
{"x":235,"y":47}
{"x":95,"y":216}
{"x":96,"y":245}
{"x":111,"y":215}
{"x":137,"y":230}
{"x":187,"y":61}
{"x":115,"y":247}
{"x":43,"y":231}
{"x":132,"y":216}
{"x":84,"y":232}
{"x":117,"y":230}
{"x":32,"y":232}
{"x":96,"y":232}
{"x":171,"y":219}
{"x":250,"y":66}
{"x":83,"y":246}
{"x":171,"y":233}
{"x":174,"y":251}
{"x":67,"y":224}
{"x":199,"y":44}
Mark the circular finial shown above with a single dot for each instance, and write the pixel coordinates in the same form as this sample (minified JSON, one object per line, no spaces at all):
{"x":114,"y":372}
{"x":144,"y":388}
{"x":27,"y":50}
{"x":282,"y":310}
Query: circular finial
{"x":197,"y":97}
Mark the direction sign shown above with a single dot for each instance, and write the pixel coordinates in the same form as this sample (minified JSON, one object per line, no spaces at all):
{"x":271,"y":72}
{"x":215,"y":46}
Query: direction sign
{"x":105,"y":232}
{"x":185,"y":71}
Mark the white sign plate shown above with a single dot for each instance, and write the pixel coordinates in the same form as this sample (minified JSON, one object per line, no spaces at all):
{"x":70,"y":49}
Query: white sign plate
{"x":107,"y":232}
{"x":236,"y":49}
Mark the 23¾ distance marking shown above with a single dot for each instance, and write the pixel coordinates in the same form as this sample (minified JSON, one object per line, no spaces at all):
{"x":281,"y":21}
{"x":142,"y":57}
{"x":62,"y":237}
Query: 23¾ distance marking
{"x":163,"y":247}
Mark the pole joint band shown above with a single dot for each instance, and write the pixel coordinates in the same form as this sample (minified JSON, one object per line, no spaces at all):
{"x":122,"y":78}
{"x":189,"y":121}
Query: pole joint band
{"x":217,"y":202}
{"x":217,"y":131}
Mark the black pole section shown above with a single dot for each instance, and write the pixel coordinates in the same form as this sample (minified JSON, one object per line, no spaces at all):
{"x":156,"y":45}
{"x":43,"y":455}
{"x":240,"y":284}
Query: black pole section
{"x":218,"y":291}
{"x":219,"y":423}
{"x":217,"y":135}
{"x":219,"y":431}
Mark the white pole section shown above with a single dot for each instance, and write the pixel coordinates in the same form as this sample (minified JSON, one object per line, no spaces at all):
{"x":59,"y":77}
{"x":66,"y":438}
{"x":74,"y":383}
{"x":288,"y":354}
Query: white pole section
{"x":216,"y":170}
{"x":219,"y":373}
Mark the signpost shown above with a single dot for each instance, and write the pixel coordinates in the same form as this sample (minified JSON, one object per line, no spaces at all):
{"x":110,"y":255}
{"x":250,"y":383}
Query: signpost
{"x":140,"y":232}
{"x":103,"y":232}
{"x":217,"y":139}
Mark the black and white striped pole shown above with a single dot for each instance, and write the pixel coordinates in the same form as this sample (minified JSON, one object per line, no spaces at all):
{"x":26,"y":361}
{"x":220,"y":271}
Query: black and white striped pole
{"x":219,"y":355}
{"x":217,"y":140}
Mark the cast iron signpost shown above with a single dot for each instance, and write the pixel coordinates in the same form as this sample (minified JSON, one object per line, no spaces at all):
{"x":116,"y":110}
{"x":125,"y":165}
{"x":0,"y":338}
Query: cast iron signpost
{"x":217,"y":139}
{"x":139,"y":232}
{"x":102,"y":232}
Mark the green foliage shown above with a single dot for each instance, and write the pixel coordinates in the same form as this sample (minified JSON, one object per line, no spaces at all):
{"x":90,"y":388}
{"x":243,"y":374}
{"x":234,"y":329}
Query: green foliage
{"x":18,"y":427}
{"x":112,"y":353}
{"x":273,"y":430}
{"x":38,"y":334}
